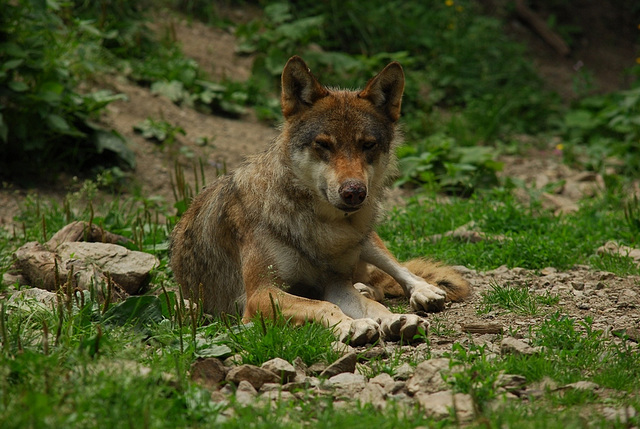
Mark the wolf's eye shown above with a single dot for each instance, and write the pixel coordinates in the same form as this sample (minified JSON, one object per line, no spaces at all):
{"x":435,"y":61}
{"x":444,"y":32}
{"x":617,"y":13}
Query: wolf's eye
{"x":322,"y":144}
{"x":369,"y":144}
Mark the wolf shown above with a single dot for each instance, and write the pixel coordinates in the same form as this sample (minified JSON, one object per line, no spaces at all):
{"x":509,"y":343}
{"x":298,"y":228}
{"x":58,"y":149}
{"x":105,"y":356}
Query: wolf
{"x":292,"y":229}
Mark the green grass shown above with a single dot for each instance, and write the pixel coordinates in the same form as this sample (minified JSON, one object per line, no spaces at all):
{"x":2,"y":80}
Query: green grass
{"x":536,"y":238}
{"x":265,"y":339}
{"x":519,"y":300}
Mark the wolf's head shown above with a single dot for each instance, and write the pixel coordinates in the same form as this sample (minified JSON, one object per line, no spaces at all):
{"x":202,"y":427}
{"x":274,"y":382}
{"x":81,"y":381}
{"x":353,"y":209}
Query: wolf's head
{"x":341,"y":142}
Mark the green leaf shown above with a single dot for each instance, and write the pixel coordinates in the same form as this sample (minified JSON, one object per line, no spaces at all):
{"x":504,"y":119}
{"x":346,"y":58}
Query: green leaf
{"x":114,"y":142}
{"x":12,"y":64}
{"x":136,"y":310}
{"x":168,"y":302}
{"x":18,"y":86}
{"x":220,"y":351}
{"x":173,"y":90}
{"x":58,"y":123}
{"x":582,"y":119}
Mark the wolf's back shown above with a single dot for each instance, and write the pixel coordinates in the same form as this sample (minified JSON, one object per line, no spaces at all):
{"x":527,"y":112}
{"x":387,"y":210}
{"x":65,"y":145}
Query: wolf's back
{"x":205,"y":257}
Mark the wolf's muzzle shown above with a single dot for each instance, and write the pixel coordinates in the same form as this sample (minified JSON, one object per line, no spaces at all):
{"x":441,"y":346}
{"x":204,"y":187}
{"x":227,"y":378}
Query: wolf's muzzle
{"x":353,"y":193}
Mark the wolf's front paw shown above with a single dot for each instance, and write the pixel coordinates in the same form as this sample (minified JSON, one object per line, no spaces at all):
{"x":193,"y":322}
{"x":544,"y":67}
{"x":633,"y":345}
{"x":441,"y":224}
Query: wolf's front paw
{"x":357,"y":332}
{"x":403,"y":327}
{"x":427,"y":297}
{"x":369,"y":291}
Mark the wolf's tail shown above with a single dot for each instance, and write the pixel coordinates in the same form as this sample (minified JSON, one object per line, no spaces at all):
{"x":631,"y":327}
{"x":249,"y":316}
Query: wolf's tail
{"x":436,"y":273}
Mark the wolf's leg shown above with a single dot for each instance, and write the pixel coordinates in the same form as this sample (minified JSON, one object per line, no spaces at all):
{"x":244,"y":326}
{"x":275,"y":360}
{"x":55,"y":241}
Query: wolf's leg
{"x":445,"y":277}
{"x":422,"y":295}
{"x":264,"y":296}
{"x":354,"y":304}
{"x":299,"y":310}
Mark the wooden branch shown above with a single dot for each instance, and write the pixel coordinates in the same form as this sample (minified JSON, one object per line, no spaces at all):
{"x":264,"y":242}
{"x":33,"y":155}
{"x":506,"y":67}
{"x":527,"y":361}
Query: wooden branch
{"x":540,"y":27}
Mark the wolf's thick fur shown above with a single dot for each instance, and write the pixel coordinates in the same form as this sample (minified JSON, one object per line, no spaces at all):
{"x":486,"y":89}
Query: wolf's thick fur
{"x":294,"y":225}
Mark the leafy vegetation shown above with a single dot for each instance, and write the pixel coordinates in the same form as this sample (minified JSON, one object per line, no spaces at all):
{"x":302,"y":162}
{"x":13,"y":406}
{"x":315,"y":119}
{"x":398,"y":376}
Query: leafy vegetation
{"x":45,"y":124}
{"x":455,"y":58}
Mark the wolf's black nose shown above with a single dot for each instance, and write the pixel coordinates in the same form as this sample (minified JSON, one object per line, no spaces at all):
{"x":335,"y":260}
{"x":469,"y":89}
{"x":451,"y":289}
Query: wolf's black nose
{"x":353,"y":193}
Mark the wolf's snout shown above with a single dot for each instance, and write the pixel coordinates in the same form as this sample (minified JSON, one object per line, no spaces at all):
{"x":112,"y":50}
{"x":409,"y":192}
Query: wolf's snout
{"x":353,"y":193}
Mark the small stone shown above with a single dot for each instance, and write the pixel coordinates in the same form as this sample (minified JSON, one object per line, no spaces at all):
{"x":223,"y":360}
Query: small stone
{"x":403,"y":372}
{"x":348,"y":383}
{"x":346,"y":363}
{"x":246,"y":393}
{"x":440,"y":405}
{"x":427,"y":376}
{"x":621,"y":415}
{"x":548,"y":271}
{"x":255,"y":375}
{"x":627,"y":298}
{"x":281,"y":368}
{"x":208,"y":372}
{"x":510,"y":345}
{"x":577,"y":285}
{"x":316,"y":368}
{"x":373,"y":394}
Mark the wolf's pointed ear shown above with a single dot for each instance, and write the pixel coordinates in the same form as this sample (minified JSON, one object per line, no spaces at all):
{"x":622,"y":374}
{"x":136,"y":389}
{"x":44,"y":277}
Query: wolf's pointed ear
{"x":385,"y":90}
{"x":300,"y":89}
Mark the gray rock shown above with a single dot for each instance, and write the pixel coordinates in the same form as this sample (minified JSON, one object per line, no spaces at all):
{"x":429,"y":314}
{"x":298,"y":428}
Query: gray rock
{"x":91,"y":264}
{"x":427,"y":377}
{"x":255,"y":375}
{"x":373,"y":394}
{"x":621,"y":415}
{"x":246,"y":393}
{"x":347,"y":384}
{"x":510,"y":345}
{"x":208,"y":372}
{"x":442,"y":404}
{"x":403,"y":372}
{"x":281,"y":368}
{"x":128,"y":268}
{"x":346,"y":363}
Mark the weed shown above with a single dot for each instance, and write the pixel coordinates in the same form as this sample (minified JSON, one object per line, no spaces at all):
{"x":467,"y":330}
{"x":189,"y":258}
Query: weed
{"x":160,"y":131}
{"x":439,"y":326}
{"x":473,"y":373}
{"x":518,"y":299}
{"x":266,"y":338}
